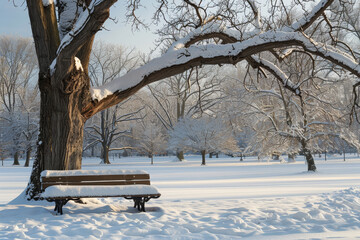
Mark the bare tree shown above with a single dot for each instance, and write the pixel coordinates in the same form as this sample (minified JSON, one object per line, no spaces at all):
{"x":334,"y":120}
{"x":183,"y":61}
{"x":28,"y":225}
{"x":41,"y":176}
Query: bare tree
{"x":109,"y":131}
{"x":107,"y":62}
{"x":188,"y":94}
{"x":29,"y":99}
{"x":149,"y":136}
{"x":203,"y":135}
{"x":288,"y":123}
{"x":17,"y":66}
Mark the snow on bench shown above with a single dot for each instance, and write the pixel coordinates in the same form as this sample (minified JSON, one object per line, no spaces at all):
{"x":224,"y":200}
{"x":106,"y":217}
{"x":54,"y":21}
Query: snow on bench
{"x":61,"y":191}
{"x":62,"y":186}
{"x":53,"y":173}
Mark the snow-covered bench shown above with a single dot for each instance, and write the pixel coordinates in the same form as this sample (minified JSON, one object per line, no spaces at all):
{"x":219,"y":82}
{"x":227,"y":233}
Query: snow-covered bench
{"x":62,"y":186}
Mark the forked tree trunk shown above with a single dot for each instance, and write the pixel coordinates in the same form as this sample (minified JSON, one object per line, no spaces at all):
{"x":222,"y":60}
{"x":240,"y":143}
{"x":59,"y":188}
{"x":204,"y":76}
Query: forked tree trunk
{"x":28,"y":155}
{"x":203,"y":155}
{"x":61,"y":127}
{"x":16,"y":158}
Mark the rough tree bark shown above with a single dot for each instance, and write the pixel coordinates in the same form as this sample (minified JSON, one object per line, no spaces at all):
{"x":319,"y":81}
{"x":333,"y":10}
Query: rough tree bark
{"x":61,"y":126}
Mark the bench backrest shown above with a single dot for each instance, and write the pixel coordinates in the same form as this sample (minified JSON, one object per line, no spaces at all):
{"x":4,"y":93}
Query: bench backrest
{"x":118,"y":179}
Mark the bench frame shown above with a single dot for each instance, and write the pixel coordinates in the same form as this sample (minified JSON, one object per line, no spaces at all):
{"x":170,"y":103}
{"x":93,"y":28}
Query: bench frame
{"x":98,"y":180}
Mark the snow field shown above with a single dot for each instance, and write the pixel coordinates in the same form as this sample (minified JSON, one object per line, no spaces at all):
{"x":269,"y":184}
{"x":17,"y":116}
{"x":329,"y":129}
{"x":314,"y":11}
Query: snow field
{"x":226,"y":199}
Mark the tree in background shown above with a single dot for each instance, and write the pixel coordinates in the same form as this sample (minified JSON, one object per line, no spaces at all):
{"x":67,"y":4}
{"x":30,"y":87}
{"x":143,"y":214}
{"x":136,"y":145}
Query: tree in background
{"x":111,"y":129}
{"x":17,"y":67}
{"x":150,"y":137}
{"x":29,"y":108}
{"x":185,"y":95}
{"x":107,"y":62}
{"x":203,"y":135}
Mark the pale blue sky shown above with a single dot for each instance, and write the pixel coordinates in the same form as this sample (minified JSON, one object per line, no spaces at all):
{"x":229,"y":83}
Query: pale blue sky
{"x":15,"y":21}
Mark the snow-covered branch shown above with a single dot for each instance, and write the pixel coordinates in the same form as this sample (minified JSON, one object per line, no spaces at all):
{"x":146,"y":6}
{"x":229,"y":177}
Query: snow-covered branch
{"x":86,"y":25}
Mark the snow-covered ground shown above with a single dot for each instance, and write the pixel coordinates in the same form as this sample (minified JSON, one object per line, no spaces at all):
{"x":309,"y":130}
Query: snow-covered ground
{"x":227,"y":199}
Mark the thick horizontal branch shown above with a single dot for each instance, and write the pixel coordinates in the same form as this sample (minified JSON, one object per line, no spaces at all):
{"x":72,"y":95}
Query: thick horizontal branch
{"x":175,"y":62}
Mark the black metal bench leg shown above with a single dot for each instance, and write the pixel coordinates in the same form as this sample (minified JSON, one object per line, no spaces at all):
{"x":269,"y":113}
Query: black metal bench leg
{"x":142,"y":205}
{"x":139,"y":203}
{"x":59,"y":205}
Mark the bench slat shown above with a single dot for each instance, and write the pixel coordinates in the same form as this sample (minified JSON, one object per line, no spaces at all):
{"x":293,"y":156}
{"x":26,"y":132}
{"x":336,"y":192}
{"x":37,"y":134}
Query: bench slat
{"x":94,"y":178}
{"x":142,"y":182}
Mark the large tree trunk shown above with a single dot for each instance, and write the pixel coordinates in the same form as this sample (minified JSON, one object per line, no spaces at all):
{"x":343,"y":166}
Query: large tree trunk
{"x":28,"y":155}
{"x":65,"y":91}
{"x":16,"y":158}
{"x":61,"y":127}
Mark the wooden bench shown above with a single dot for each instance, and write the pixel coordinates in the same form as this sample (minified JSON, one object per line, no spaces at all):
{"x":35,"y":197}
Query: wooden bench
{"x":62,"y":186}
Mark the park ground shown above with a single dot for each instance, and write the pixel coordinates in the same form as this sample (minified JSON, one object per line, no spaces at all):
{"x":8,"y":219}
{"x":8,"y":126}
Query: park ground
{"x":226,"y":199}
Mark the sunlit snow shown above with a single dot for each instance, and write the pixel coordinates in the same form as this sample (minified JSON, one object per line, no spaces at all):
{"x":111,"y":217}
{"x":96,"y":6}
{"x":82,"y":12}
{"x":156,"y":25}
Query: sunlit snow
{"x":226,"y":199}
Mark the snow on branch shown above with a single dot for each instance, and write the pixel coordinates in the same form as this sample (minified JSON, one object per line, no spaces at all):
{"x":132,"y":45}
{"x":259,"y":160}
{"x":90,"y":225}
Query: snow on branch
{"x":258,"y":24}
{"x":47,"y":2}
{"x":79,"y":25}
{"x":231,"y":53}
{"x":86,"y":25}
{"x":278,"y":73}
{"x":307,"y":20}
{"x":214,"y":29}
